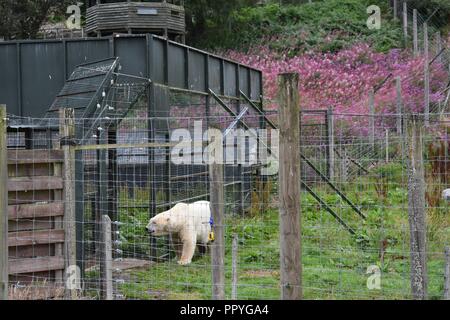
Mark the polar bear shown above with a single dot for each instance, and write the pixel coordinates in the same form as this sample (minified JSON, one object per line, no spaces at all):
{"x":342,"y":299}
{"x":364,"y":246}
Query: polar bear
{"x":188,"y":223}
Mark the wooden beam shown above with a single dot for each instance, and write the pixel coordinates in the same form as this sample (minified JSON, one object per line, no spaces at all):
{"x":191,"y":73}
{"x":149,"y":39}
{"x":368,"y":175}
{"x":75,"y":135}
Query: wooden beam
{"x":126,"y":146}
{"x":28,"y":238}
{"x":16,"y":157}
{"x":31,"y":265}
{"x":34,"y":183}
{"x":36,"y":210}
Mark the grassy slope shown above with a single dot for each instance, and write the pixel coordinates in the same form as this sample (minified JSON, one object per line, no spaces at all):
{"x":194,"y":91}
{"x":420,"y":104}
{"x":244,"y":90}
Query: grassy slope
{"x":334,"y":262}
{"x":328,"y":25}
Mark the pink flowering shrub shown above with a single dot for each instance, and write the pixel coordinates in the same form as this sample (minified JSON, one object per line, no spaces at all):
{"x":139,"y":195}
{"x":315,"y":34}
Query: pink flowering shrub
{"x":342,"y":80}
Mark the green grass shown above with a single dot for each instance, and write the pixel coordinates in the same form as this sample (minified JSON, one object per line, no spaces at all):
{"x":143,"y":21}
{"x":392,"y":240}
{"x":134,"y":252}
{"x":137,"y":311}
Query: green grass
{"x":334,"y":262}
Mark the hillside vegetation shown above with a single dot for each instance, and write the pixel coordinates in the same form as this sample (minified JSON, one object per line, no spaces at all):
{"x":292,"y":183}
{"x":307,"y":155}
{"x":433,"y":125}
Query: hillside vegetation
{"x":321,"y":26}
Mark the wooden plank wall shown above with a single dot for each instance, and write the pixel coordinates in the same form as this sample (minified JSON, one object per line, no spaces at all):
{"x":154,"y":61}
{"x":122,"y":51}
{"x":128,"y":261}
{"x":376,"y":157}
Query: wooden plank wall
{"x":124,"y":15}
{"x":35,"y":214}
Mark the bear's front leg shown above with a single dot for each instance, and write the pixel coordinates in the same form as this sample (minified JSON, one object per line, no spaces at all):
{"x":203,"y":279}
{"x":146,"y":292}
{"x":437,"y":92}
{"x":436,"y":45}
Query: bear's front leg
{"x":177,"y":245}
{"x":189,"y":244}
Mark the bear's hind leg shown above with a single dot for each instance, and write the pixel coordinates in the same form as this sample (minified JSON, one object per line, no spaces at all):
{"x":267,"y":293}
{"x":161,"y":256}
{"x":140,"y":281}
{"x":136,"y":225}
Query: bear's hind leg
{"x":203,"y":249}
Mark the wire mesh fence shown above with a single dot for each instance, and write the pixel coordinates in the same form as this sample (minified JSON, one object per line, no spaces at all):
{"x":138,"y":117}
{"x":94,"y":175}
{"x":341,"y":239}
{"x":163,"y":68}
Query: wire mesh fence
{"x":355,"y":224}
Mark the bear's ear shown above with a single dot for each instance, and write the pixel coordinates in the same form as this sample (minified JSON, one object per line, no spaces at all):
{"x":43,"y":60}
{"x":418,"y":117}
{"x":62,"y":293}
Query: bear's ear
{"x":168,"y":219}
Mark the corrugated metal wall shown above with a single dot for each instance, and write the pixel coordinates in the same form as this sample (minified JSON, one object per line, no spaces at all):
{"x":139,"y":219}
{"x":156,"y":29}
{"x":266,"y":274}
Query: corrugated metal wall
{"x":32,"y":73}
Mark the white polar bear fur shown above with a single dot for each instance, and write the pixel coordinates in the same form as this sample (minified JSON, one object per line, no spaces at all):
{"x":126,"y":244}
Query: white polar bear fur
{"x":190,"y":222}
{"x":446,"y":194}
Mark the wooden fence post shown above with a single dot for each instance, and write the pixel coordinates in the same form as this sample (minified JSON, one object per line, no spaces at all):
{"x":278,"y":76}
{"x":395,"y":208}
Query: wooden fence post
{"x":106,"y":259}
{"x":217,"y":248}
{"x":3,"y":205}
{"x":416,"y":211}
{"x":289,"y":187}
{"x":67,"y":134}
{"x":234,"y":271}
{"x":427,"y":74}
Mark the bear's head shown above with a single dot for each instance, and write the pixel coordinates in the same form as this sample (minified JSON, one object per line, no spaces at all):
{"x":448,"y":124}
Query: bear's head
{"x":160,"y":225}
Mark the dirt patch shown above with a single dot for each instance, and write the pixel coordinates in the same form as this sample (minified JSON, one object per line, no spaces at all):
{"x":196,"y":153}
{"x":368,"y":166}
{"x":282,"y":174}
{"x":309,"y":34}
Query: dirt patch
{"x":261,"y":274}
{"x":124,"y":264}
{"x":127,"y":264}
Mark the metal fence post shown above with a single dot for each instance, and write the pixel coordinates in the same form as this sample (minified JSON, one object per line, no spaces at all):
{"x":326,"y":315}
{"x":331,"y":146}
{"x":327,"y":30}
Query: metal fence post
{"x":447,"y":274}
{"x":234,"y":271}
{"x":372,"y":119}
{"x":427,"y":75}
{"x":395,"y":5}
{"x":289,"y":187}
{"x":330,"y":133}
{"x":398,"y":83}
{"x":405,"y":22}
{"x":415,"y":34}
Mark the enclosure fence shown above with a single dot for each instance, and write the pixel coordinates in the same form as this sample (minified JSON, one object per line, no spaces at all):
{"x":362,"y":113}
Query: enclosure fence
{"x":81,"y":193}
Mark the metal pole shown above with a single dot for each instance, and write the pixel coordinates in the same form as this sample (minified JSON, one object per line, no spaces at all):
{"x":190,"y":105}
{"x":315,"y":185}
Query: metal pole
{"x":234,"y":272}
{"x":398,"y":85}
{"x":395,"y":4}
{"x":415,"y":34}
{"x":447,"y":274}
{"x":372,"y":118}
{"x":427,"y":75}
{"x":387,"y":146}
{"x":106,"y":261}
{"x":405,"y":22}
{"x":330,"y":131}
{"x":439,"y":46}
